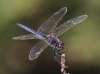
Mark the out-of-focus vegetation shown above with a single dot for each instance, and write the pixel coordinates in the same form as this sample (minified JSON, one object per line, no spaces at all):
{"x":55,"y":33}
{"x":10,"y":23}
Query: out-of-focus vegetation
{"x":82,"y":41}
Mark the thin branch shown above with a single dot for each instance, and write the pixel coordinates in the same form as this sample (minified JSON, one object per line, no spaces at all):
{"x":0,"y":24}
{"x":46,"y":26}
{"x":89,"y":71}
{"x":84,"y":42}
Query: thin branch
{"x":63,"y":66}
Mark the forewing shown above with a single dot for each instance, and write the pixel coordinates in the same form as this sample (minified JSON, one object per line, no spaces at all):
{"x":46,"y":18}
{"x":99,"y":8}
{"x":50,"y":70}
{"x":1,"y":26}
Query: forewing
{"x":49,"y":25}
{"x":37,"y":50}
{"x":69,"y":24}
{"x":26,"y":37}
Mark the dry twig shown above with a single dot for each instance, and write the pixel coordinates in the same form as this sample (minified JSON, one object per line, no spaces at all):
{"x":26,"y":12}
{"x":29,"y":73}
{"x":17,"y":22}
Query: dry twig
{"x":63,"y":64}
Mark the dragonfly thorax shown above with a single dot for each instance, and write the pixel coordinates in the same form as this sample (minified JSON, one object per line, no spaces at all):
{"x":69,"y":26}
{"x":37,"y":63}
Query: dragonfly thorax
{"x":54,"y":42}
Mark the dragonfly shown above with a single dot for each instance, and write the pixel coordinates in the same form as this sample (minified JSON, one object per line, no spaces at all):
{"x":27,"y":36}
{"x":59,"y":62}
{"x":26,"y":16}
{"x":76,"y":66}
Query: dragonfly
{"x":48,"y":34}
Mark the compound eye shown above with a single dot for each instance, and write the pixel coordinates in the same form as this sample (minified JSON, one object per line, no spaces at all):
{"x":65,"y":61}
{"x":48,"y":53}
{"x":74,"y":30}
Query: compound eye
{"x":59,"y":45}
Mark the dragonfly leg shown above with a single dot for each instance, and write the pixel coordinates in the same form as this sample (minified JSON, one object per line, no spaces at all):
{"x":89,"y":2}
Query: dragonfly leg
{"x":54,"y":55}
{"x":58,"y":53}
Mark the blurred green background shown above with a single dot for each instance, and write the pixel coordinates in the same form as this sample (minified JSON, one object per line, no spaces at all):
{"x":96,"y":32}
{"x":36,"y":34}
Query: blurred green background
{"x":82,"y":41}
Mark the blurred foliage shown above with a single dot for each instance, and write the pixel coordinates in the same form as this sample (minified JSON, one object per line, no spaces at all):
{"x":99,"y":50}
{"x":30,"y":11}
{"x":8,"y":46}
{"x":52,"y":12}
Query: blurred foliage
{"x":82,"y":41}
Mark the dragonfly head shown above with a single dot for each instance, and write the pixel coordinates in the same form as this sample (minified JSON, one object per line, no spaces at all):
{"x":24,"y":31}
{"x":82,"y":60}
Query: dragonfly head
{"x":60,"y":46}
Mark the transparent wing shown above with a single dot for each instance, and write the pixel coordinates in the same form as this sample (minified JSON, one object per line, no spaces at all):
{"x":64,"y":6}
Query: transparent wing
{"x":49,"y":25}
{"x":37,"y":50}
{"x":69,"y":24}
{"x":26,"y":37}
